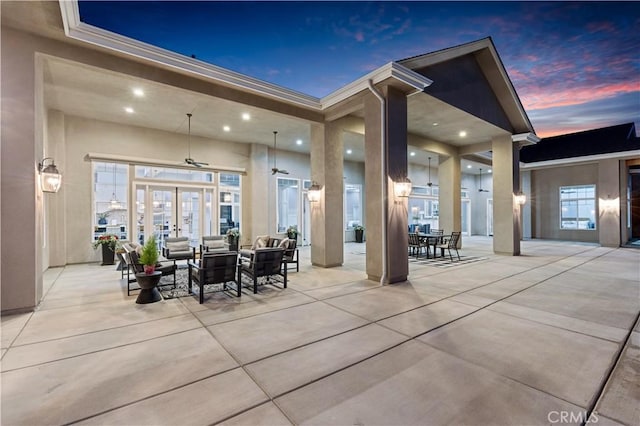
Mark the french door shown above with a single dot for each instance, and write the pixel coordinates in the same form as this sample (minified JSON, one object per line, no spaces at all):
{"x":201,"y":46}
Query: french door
{"x":174,"y":211}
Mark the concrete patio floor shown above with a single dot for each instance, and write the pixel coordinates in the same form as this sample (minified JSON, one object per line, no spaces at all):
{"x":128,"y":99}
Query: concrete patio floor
{"x":542,"y":338}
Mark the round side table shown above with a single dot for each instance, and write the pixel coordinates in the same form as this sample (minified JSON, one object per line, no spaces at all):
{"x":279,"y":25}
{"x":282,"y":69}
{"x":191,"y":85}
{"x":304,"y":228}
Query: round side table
{"x":148,"y":283}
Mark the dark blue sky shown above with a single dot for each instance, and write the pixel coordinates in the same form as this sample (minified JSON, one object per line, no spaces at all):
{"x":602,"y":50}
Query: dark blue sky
{"x":575,"y":65}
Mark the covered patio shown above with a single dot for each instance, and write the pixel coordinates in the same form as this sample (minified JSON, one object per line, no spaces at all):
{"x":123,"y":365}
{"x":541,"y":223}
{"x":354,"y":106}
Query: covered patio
{"x":505,"y":340}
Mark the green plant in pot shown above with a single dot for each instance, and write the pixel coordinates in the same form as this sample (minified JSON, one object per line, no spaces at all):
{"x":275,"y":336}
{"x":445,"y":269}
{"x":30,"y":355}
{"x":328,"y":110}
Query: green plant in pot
{"x":149,"y":256}
{"x":233,"y":237}
{"x":359,"y":229}
{"x":292,"y":232}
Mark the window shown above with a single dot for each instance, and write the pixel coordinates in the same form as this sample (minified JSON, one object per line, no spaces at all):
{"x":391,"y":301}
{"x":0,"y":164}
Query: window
{"x":578,"y":207}
{"x":110,"y":199}
{"x":165,"y":173}
{"x":288,"y":195}
{"x":352,"y":205}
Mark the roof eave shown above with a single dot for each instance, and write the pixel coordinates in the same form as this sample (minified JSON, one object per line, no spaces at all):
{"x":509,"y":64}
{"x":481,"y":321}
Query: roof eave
{"x":81,"y":31}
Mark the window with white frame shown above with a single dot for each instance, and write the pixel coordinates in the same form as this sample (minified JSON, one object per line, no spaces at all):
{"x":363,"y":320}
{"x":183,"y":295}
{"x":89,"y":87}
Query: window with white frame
{"x":352,"y":205}
{"x":578,"y":207}
{"x":110,"y":197}
{"x":288,"y":202}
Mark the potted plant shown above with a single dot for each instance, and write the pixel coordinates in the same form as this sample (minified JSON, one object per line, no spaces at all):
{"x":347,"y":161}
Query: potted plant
{"x":109,"y":243}
{"x":233,"y":236}
{"x":149,"y":255}
{"x":292,"y":232}
{"x":102,"y":218}
{"x":359,"y":229}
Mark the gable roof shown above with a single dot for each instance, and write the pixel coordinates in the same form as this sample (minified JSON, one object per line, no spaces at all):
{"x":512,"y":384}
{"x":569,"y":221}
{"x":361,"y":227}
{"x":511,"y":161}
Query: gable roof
{"x":605,"y":140}
{"x":488,"y":62}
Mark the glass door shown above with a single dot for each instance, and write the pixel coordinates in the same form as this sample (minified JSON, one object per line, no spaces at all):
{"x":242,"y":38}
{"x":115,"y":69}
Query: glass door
{"x":490,"y":217}
{"x":162,"y":215}
{"x":188,"y":210}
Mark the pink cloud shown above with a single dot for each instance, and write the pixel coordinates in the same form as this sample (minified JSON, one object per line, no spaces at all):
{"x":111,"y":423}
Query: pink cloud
{"x":576,"y":96}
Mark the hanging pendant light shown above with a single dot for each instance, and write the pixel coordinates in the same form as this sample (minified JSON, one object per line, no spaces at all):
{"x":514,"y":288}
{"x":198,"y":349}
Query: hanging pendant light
{"x":114,"y":203}
{"x":429,"y":184}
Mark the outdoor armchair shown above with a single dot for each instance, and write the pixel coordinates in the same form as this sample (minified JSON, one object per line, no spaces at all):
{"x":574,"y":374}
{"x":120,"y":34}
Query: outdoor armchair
{"x":264,"y":263}
{"x":214,"y":268}
{"x":177,"y":248}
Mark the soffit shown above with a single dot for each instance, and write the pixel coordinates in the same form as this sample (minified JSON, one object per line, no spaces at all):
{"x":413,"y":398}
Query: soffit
{"x":93,"y":93}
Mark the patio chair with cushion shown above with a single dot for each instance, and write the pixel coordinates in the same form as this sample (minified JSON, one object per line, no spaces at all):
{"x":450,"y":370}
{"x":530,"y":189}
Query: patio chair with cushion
{"x":450,"y":243}
{"x":213,"y":244}
{"x":265,"y":262}
{"x":177,"y":248}
{"x":214,"y":268}
{"x":290,"y":253}
{"x":261,"y":241}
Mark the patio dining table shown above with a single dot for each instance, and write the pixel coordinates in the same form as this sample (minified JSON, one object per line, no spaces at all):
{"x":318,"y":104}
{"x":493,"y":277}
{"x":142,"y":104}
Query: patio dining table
{"x":431,"y":240}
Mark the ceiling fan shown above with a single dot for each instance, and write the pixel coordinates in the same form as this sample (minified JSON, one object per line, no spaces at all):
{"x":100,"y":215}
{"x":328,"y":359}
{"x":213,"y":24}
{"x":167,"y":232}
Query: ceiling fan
{"x":275,"y":168}
{"x":190,"y":161}
{"x":480,"y":189}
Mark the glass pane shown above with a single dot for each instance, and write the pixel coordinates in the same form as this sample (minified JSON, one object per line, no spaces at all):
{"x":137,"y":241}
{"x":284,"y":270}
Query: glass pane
{"x":228,"y":179}
{"x":166,"y":173}
{"x":110,"y":198}
{"x":353,"y":205}
{"x":229,"y":207}
{"x":288,"y":204}
{"x":163,"y":224}
{"x":208,"y":213}
{"x":190,"y":225}
{"x":140,"y":215}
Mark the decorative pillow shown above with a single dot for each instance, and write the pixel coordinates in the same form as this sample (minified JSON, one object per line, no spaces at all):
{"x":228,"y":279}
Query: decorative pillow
{"x":260,"y":242}
{"x":215,"y":244}
{"x":284,"y":244}
{"x":178,"y":246}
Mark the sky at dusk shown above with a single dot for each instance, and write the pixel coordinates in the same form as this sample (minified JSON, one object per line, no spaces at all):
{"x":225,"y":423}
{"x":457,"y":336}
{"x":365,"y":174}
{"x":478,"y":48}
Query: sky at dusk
{"x":575,"y":65}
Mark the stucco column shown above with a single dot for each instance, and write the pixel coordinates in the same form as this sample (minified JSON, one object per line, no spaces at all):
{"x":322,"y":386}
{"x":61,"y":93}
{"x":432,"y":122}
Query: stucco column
{"x":327,"y":227}
{"x":255,"y":221}
{"x":526,"y":209}
{"x":449,"y":198}
{"x":395,"y":163}
{"x":22,"y":200}
{"x":506,"y":181}
{"x":608,"y":193}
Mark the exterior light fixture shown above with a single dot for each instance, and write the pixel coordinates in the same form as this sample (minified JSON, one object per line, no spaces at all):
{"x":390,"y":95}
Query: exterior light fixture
{"x":520,"y":198}
{"x":50,"y":177}
{"x":402,"y":187}
{"x":314,"y":192}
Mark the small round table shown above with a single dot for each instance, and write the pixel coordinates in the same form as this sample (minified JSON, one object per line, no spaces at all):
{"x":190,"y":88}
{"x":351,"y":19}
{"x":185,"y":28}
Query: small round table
{"x":149,"y":292}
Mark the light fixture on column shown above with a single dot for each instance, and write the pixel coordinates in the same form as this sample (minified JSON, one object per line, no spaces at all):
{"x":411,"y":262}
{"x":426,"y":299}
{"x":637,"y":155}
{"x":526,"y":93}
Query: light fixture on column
{"x":114,"y":203}
{"x":50,"y":177}
{"x":429,"y":182}
{"x":520,"y":198}
{"x":402,"y":187}
{"x":314,"y":192}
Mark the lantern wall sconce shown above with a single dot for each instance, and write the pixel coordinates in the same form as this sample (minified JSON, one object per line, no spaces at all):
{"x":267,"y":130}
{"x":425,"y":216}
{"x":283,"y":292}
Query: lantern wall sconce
{"x":50,"y":177}
{"x":314,"y":192}
{"x":520,"y":198}
{"x":402,"y":187}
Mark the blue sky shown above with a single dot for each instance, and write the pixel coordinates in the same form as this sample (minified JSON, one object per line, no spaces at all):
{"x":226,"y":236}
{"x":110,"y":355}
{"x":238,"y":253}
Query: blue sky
{"x":575,"y":65}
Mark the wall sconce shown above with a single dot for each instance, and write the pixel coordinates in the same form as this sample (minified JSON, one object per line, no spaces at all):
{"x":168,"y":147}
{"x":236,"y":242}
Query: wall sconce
{"x":402,"y":187}
{"x":314,"y":192}
{"x":520,"y":198}
{"x":50,"y":177}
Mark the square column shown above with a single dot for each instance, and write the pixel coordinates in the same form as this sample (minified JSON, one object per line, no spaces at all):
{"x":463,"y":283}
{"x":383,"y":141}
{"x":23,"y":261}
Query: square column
{"x":254,"y":222}
{"x":506,"y":182}
{"x":449,"y":196}
{"x":327,"y":224}
{"x":388,"y":162}
{"x":609,"y":202}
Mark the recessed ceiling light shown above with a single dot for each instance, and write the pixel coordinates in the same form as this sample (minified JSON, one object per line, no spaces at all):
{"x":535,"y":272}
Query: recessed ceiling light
{"x":226,"y":128}
{"x":413,"y":154}
{"x":468,"y":166}
{"x":489,"y":170}
{"x":462,"y":134}
{"x":129,"y":110}
{"x":299,"y":142}
{"x":246,"y":116}
{"x":435,"y":124}
{"x":349,"y":151}
{"x":138,"y":92}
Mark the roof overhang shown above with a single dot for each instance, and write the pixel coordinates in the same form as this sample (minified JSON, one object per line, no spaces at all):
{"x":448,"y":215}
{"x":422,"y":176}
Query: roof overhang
{"x":624,"y":155}
{"x":393,"y":73}
{"x":524,"y":139}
